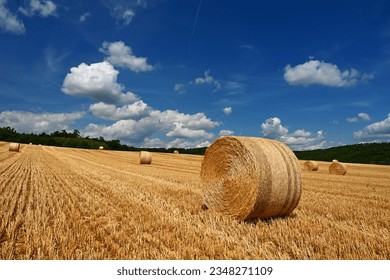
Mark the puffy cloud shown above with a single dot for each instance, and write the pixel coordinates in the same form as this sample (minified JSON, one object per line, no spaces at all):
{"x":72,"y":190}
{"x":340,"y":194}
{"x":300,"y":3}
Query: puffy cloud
{"x":227,"y":110}
{"x":122,"y":55}
{"x":9,"y":22}
{"x":184,"y":132}
{"x":186,"y":143}
{"x":28,"y":122}
{"x":208,"y":79}
{"x":299,"y":140}
{"x":191,"y":129}
{"x":376,"y":132}
{"x":322,"y":73}
{"x":225,"y":132}
{"x":43,"y":8}
{"x":364,"y":116}
{"x":97,"y":81}
{"x":272,"y":128}
{"x":105,"y":111}
{"x":361,"y":116}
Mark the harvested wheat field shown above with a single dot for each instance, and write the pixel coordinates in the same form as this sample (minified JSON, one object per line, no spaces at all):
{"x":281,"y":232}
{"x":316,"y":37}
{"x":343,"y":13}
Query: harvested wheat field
{"x":63,"y":203}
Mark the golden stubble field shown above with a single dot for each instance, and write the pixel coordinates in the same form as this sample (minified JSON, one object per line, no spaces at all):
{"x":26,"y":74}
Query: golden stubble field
{"x":63,"y":203}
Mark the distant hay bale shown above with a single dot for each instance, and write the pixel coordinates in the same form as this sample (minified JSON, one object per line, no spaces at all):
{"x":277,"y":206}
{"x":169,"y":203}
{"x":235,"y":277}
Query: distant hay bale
{"x":145,"y":157}
{"x":250,"y":178}
{"x":338,"y":168}
{"x":101,"y":148}
{"x":14,"y":147}
{"x":176,"y":152}
{"x":30,"y":143}
{"x":311,"y":165}
{"x":335,"y":160}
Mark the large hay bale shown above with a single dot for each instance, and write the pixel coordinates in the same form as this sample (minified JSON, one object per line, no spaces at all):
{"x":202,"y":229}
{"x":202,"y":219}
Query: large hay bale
{"x":311,"y":165}
{"x":338,"y":168}
{"x":250,"y":178}
{"x":145,"y":157}
{"x":176,"y":152}
{"x":14,"y":147}
{"x":101,"y":148}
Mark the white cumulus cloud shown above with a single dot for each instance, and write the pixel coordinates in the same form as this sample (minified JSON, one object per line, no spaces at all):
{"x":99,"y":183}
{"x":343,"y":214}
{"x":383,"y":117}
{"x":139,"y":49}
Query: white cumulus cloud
{"x":9,"y":22}
{"x":23,"y":121}
{"x":322,"y":73}
{"x":376,"y":132}
{"x":208,"y":79}
{"x":361,"y":116}
{"x":43,"y":8}
{"x":190,"y":129}
{"x":226,"y":132}
{"x":105,"y":111}
{"x":97,"y":81}
{"x":227,"y":110}
{"x":298,"y":140}
{"x":121,"y":55}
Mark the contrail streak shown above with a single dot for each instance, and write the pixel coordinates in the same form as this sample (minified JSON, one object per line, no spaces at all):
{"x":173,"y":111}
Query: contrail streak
{"x":193,"y":28}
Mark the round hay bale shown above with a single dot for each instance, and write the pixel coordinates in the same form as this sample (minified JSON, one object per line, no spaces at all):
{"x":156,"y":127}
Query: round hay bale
{"x":311,"y":165}
{"x":338,"y":168}
{"x":250,"y":178}
{"x":14,"y":147}
{"x":145,"y":157}
{"x":176,"y":152}
{"x":101,"y":148}
{"x":335,"y":160}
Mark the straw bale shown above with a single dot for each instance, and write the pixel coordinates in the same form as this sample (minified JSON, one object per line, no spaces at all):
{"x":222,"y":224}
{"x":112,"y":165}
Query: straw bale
{"x":14,"y":147}
{"x":145,"y":157}
{"x":311,"y":165}
{"x":101,"y":148}
{"x":250,"y":178}
{"x":176,"y":152}
{"x":335,"y":160}
{"x":338,"y":168}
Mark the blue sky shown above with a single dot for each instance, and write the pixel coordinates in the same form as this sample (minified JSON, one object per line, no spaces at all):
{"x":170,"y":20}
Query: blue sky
{"x":174,"y":73}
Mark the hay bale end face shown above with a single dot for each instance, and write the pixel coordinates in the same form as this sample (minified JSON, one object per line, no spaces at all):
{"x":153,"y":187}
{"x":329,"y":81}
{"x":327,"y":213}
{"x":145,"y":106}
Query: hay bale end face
{"x":145,"y":157}
{"x":311,"y":165}
{"x":338,"y":168}
{"x":14,"y":147}
{"x":250,"y":178}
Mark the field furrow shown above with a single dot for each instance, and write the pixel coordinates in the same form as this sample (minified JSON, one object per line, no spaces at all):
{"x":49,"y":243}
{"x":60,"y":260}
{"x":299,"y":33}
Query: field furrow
{"x":60,"y":203}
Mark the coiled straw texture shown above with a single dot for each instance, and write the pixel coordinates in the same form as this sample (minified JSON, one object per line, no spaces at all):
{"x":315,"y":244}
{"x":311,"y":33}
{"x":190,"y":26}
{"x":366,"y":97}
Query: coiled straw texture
{"x":250,"y":178}
{"x":338,"y":168}
{"x":14,"y":147}
{"x":311,"y":165}
{"x":145,"y":157}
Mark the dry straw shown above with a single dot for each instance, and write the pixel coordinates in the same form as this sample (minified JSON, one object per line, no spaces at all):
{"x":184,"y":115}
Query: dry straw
{"x":338,"y":168}
{"x":101,"y":148}
{"x":14,"y":147}
{"x":145,"y":157}
{"x":250,"y":178}
{"x":311,"y":165}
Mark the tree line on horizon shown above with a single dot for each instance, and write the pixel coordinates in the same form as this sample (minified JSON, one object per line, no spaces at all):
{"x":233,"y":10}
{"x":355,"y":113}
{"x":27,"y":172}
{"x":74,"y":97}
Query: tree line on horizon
{"x":368,"y":153}
{"x":73,"y":139}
